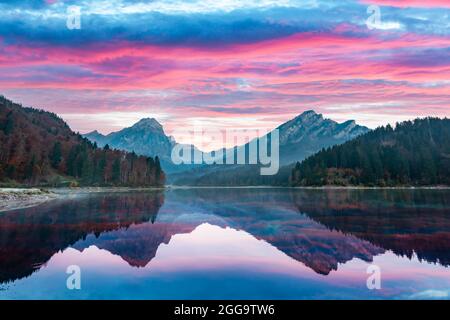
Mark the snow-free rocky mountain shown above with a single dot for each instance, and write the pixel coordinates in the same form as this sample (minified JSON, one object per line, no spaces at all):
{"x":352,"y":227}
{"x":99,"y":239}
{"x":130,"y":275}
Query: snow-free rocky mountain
{"x":310,"y":132}
{"x":300,"y":137}
{"x":146,"y":137}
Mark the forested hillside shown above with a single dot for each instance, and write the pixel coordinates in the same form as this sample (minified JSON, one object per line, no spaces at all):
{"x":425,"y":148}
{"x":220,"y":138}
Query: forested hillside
{"x":39,"y":148}
{"x":414,"y":153}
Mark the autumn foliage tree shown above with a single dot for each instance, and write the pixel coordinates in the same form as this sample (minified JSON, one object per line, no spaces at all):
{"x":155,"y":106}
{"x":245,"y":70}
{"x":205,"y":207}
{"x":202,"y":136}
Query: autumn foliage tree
{"x":39,"y":148}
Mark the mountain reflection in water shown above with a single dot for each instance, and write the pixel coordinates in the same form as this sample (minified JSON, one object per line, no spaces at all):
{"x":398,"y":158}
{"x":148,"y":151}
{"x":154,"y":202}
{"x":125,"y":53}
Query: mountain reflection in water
{"x":321,"y":229}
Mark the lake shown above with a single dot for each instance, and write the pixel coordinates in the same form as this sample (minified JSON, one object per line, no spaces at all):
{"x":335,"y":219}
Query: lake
{"x":245,"y":243}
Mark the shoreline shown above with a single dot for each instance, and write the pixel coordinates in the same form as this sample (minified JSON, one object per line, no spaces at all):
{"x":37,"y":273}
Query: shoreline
{"x":20,"y":198}
{"x":169,"y":187}
{"x":66,"y":191}
{"x":17,"y":198}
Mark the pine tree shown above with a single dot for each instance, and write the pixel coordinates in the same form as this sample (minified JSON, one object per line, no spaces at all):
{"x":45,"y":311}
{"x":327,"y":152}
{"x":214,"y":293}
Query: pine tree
{"x":101,"y":167}
{"x":414,"y":153}
{"x":9,"y":125}
{"x":116,"y":171}
{"x":56,"y":155}
{"x":158,"y":169}
{"x":29,"y":171}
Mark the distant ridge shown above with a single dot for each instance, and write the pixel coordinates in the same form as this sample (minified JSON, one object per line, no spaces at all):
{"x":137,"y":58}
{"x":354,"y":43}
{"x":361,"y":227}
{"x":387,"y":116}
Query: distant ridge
{"x":300,"y":137}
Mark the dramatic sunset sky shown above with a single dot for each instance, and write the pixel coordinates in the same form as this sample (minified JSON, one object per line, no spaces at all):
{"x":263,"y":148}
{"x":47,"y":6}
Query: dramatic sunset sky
{"x":226,"y":63}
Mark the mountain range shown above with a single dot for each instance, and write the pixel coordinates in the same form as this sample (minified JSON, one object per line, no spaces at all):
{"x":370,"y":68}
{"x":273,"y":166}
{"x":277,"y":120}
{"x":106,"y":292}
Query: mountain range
{"x":300,"y":137}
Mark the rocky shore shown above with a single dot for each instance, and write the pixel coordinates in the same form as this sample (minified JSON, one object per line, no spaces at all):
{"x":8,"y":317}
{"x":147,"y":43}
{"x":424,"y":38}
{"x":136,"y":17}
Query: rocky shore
{"x":11,"y":199}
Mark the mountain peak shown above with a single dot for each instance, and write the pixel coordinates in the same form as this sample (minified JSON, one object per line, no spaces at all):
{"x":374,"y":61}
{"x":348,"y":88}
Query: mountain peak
{"x":308,"y":116}
{"x":94,"y":134}
{"x":308,"y":112}
{"x":148,"y":123}
{"x":310,"y":126}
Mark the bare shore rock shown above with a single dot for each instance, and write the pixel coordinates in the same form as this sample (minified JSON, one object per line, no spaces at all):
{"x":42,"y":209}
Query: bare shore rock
{"x":11,"y":199}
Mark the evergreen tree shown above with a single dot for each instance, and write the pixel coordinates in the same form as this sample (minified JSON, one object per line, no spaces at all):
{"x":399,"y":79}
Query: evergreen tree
{"x":158,"y":169}
{"x":9,"y":125}
{"x":101,"y":167}
{"x":29,"y":171}
{"x":414,"y":153}
{"x":56,"y":155}
{"x":116,"y":171}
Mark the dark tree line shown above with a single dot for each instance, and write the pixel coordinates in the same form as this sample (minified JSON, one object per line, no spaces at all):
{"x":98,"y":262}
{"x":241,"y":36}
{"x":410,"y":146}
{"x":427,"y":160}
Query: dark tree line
{"x":38,"y":148}
{"x":414,"y":153}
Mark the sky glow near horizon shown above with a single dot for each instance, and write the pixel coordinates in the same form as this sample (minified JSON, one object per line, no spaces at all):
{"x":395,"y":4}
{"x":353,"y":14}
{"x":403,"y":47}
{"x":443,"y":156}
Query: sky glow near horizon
{"x":231,"y":64}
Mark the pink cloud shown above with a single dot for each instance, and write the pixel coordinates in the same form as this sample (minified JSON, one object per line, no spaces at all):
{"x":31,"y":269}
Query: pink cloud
{"x":410,"y":3}
{"x":284,"y":77}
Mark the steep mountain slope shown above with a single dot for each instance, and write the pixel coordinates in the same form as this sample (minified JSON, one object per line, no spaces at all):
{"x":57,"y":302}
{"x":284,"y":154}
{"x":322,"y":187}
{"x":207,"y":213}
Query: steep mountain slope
{"x":146,"y":137}
{"x":310,"y":132}
{"x":300,"y":137}
{"x":414,"y":153}
{"x":38,"y":148}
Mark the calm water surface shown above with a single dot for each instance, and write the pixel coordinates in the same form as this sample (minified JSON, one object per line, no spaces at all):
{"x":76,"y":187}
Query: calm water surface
{"x":230,"y":244}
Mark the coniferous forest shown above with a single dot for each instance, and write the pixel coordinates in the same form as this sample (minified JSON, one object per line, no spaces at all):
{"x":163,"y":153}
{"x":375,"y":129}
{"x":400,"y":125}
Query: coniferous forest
{"x":415,"y":153}
{"x":39,"y":148}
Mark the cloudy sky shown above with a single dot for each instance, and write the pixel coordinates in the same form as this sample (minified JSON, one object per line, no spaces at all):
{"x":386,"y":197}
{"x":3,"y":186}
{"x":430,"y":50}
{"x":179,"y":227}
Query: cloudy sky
{"x":228,"y":63}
